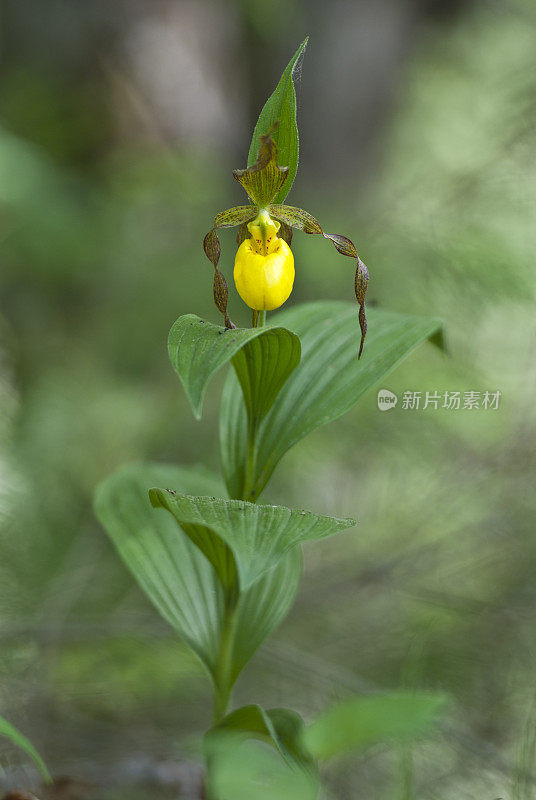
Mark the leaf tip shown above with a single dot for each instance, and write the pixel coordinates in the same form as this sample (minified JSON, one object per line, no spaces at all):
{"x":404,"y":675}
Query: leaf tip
{"x":155,"y":498}
{"x":195,"y":400}
{"x":303,"y":46}
{"x":437,"y":338}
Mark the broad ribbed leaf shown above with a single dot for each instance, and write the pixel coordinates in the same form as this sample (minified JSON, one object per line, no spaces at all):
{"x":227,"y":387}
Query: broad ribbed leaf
{"x":327,"y":383}
{"x":254,"y":722}
{"x":280,"y":727}
{"x":238,"y":768}
{"x":262,"y":607}
{"x":364,"y":721}
{"x":169,"y":568}
{"x":8,"y":731}
{"x":243,"y":769}
{"x":257,"y":535}
{"x":175,"y":574}
{"x":262,"y":367}
{"x":198,"y":349}
{"x":281,"y":108}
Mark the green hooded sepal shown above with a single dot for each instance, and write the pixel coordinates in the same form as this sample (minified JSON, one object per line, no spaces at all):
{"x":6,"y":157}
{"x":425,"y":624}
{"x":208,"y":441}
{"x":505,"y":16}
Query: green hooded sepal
{"x":264,"y":180}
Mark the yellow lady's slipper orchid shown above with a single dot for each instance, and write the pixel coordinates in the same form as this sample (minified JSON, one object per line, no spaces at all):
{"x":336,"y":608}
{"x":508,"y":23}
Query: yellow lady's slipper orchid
{"x":264,"y":266}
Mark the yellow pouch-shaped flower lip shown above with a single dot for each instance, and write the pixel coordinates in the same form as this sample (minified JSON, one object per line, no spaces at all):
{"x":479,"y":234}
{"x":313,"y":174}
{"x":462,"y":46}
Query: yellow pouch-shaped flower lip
{"x":264,"y":282}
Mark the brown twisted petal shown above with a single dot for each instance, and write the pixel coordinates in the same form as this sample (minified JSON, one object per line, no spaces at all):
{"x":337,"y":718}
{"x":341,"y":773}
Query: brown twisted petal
{"x":234,"y":216}
{"x":361,"y":283}
{"x":363,"y":325}
{"x":238,"y":215}
{"x":221,"y":296}
{"x":344,"y":245}
{"x":212,"y":248}
{"x":298,"y":218}
{"x":221,"y":293}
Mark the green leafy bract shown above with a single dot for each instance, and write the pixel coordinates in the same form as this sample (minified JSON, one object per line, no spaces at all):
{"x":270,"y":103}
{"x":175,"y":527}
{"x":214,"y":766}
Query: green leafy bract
{"x":262,"y":366}
{"x":281,"y":108}
{"x":198,"y":349}
{"x":257,"y":535}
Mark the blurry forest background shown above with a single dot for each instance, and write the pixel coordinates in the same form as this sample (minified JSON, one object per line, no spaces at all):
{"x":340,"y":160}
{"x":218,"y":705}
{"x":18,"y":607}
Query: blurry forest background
{"x":120,"y":125}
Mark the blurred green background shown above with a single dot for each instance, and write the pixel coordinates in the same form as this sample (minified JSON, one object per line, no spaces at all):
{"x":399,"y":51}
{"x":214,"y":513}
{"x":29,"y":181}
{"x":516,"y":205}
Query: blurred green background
{"x":120,"y":125}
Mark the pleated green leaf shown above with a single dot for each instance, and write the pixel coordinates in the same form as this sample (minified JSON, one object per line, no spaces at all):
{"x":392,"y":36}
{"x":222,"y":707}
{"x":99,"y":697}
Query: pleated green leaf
{"x":257,"y":535}
{"x":281,"y":728}
{"x":175,"y":574}
{"x":328,"y":382}
{"x":263,"y":606}
{"x":262,"y":366}
{"x":243,"y":769}
{"x":238,"y":768}
{"x":198,"y":349}
{"x":361,"y":722}
{"x":281,"y":108}
{"x":8,"y":731}
{"x":168,"y":566}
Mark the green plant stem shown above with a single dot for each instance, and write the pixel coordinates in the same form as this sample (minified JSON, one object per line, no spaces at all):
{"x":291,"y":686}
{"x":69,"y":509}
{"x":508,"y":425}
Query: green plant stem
{"x":223,"y":677}
{"x":250,"y":466}
{"x":223,"y":683}
{"x":259,"y":321}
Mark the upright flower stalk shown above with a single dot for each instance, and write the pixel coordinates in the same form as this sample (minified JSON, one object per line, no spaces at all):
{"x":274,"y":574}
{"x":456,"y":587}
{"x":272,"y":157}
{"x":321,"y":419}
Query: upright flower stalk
{"x":264,"y":264}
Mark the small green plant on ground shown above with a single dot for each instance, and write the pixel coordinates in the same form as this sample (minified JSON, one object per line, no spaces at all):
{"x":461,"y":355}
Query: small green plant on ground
{"x":222,"y":568}
{"x":8,"y":731}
